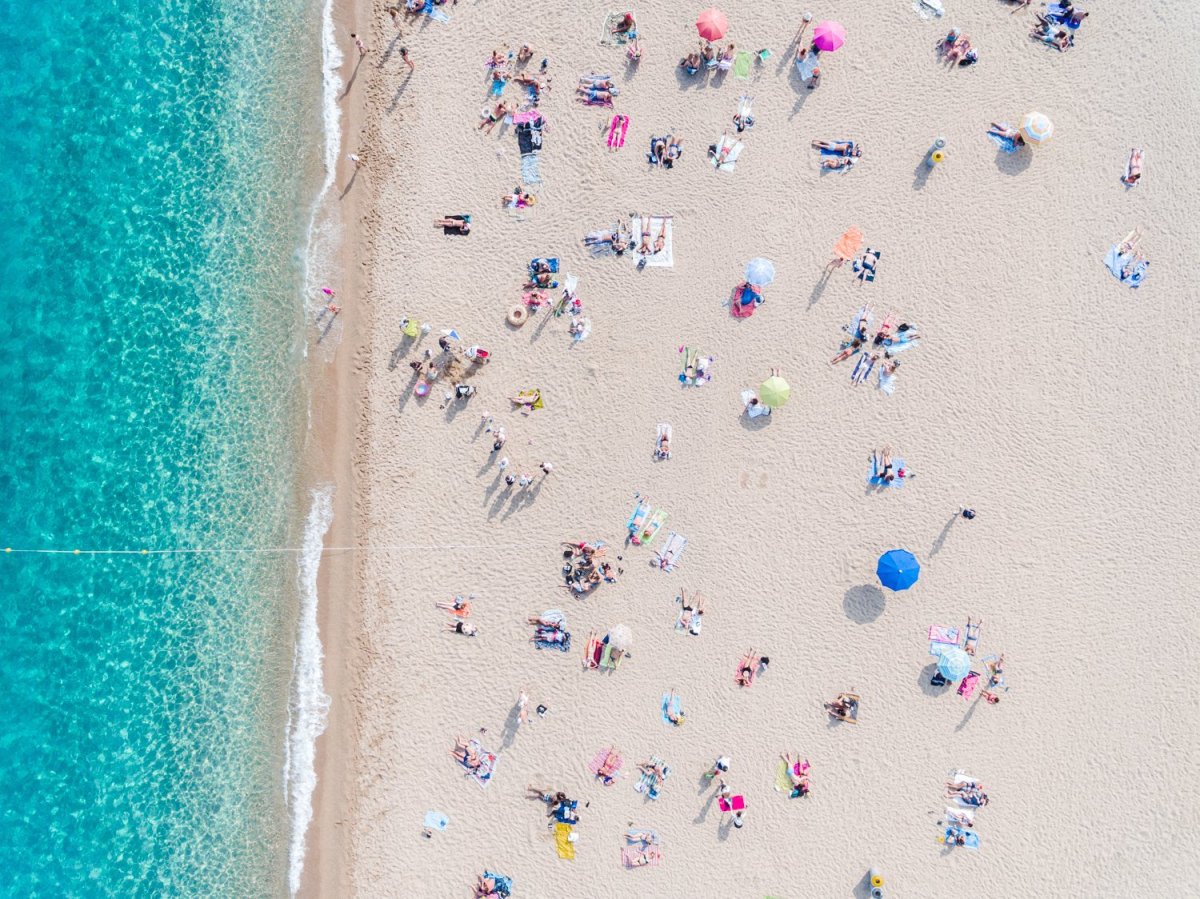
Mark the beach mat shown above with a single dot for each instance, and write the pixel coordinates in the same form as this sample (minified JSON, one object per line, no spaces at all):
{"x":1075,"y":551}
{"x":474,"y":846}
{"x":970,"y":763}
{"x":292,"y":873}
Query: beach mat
{"x":563,"y":843}
{"x":594,"y":764}
{"x":741,"y":64}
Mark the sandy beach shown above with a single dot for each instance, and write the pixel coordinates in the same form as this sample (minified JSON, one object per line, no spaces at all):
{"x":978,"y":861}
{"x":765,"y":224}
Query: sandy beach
{"x":1044,"y":394}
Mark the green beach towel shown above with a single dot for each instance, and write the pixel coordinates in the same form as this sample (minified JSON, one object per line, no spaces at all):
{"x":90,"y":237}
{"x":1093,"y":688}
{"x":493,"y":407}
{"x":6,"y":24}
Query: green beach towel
{"x":741,"y":64}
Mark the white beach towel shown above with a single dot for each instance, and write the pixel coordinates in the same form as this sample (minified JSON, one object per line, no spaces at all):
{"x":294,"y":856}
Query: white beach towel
{"x":663,"y":259}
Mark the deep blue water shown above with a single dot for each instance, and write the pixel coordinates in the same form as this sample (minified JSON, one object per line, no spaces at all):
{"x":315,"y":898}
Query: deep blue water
{"x":154,"y":158}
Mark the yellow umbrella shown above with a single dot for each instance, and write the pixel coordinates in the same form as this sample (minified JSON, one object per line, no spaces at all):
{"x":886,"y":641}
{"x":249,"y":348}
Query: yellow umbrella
{"x":1037,"y":128}
{"x":774,"y":391}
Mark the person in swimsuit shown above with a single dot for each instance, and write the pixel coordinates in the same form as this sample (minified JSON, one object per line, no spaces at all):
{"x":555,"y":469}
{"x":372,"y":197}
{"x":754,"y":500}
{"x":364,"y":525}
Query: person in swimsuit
{"x":708,"y":54}
{"x":841,"y":147}
{"x":658,"y":151}
{"x":1134,"y":173}
{"x":460,"y":606}
{"x":597,"y":95}
{"x":466,"y":628}
{"x":674,"y":150}
{"x":799,"y":780}
{"x":625,"y":24}
{"x":607,"y":771}
{"x":691,"y":63}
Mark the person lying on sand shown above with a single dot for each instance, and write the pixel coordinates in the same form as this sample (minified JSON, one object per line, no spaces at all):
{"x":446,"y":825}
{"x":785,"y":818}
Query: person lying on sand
{"x":745,"y":673}
{"x":659,"y":241}
{"x":518,"y":199}
{"x":658,"y":151}
{"x":459,"y":607}
{"x":848,"y":350}
{"x":597,"y":95}
{"x":591,"y":81}
{"x":642,"y":836}
{"x":466,"y":753}
{"x":466,"y":628}
{"x":607,"y":771}
{"x":1133,"y":171}
{"x":691,"y":617}
{"x":845,"y":706}
{"x":674,"y":150}
{"x":883,"y":464}
{"x":547,"y":796}
{"x":654,"y":769}
{"x":496,"y":114}
{"x":676,"y":718}
{"x":625,"y":24}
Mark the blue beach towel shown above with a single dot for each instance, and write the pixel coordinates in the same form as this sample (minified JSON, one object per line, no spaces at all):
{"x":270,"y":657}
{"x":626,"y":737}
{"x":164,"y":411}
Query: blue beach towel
{"x":434,"y":13}
{"x":1007,"y":144}
{"x":807,"y":65}
{"x":564,"y":646}
{"x":670,"y":704}
{"x":1116,"y":263}
{"x":970,"y":837}
{"x":530,"y":171}
{"x":503,"y":884}
{"x":874,"y":478}
{"x":497,"y":87}
{"x":551,"y":261}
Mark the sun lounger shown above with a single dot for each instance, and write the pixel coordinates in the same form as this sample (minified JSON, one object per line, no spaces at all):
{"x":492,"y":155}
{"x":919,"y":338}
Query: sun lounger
{"x":668,"y":557}
{"x":665,"y":258}
{"x":724,"y":154}
{"x":638,"y":856}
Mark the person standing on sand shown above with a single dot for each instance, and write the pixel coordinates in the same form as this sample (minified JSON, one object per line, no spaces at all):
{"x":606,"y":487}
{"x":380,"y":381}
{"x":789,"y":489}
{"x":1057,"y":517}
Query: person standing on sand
{"x":362,"y":48}
{"x":408,"y":62}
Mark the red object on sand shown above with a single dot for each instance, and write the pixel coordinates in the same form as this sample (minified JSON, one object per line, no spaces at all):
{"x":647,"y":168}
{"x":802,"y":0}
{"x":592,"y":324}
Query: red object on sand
{"x":712,"y":24}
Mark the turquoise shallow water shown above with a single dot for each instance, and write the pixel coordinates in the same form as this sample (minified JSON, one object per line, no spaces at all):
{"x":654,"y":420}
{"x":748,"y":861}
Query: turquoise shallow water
{"x":155,"y":200}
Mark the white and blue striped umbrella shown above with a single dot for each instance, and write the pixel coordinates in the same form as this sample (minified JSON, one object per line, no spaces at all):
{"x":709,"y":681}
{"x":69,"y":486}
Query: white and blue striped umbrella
{"x":760,"y":272}
{"x":954,"y":664}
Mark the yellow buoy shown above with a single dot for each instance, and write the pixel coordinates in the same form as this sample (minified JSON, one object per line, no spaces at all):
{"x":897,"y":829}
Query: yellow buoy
{"x":938,"y":156}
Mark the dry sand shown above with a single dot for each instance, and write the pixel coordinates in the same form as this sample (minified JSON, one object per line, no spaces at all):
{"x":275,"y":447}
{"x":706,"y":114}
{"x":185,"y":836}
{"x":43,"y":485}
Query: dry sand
{"x":1053,"y":400}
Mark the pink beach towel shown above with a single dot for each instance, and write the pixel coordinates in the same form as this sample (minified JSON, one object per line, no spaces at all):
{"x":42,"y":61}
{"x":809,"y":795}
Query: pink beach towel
{"x":631,"y":854}
{"x":967,"y":688}
{"x":594,"y":764}
{"x":941,"y":634}
{"x":520,"y":118}
{"x":733,"y":804}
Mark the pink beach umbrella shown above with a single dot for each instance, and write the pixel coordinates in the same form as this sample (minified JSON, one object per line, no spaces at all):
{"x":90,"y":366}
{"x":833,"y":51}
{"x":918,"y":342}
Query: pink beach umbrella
{"x":828,"y":36}
{"x":712,"y":24}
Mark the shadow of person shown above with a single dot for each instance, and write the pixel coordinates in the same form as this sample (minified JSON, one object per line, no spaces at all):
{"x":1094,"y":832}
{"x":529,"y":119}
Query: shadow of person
{"x":941,"y":538}
{"x":863,"y":604}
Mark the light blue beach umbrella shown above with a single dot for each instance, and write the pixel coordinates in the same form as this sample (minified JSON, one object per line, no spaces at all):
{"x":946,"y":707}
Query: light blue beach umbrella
{"x":954,"y":664}
{"x":760,"y":272}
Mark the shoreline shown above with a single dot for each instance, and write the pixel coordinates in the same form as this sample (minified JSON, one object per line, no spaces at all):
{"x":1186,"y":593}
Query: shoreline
{"x":329,"y":460}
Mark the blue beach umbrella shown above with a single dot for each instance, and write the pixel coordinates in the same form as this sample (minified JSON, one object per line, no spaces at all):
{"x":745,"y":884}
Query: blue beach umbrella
{"x":898,"y":569}
{"x":760,"y":272}
{"x":954,"y":664}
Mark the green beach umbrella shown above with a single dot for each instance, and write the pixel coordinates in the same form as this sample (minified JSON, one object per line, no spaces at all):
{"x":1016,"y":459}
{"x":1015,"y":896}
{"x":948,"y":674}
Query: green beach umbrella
{"x":774,"y":391}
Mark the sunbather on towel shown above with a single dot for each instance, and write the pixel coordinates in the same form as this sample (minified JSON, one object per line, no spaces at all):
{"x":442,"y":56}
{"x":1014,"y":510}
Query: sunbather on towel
{"x":848,"y":350}
{"x":596,"y":95}
{"x":625,"y":24}
{"x":462,"y":225}
{"x":845,"y":706}
{"x":659,"y":242}
{"x":799,"y":780}
{"x":549,"y":635}
{"x":839,"y":148}
{"x":486,"y":889}
{"x":725,"y":60}
{"x":466,"y":754}
{"x":1133,"y":169}
{"x":647,"y":837}
{"x":692,"y":615}
{"x":518,"y":199}
{"x":674,"y":150}
{"x":596,"y":83}
{"x":708,"y":54}
{"x":655,"y":769}
{"x":658,"y":151}
{"x":607,"y":771}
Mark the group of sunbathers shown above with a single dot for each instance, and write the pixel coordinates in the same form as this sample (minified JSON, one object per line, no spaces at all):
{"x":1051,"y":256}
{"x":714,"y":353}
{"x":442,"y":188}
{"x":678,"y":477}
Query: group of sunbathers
{"x":1055,"y":26}
{"x":550,"y":631}
{"x":956,"y":47}
{"x":460,"y":610}
{"x":502,"y":67}
{"x":581,"y":570}
{"x":615,"y":240}
{"x":596,"y":90}
{"x":467,"y":754}
{"x":844,"y":707}
{"x":841,"y":154}
{"x":891,"y":337}
{"x":706,"y":57}
{"x":968,"y":792}
{"x":665,"y":150}
{"x":558,"y":806}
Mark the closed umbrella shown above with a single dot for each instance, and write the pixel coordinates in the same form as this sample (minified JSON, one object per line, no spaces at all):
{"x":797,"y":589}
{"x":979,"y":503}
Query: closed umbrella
{"x":1037,"y":128}
{"x":712,"y":24}
{"x":954,"y":664}
{"x":774,"y":392}
{"x":828,"y":36}
{"x":898,"y":569}
{"x":620,"y":637}
{"x":760,"y":272}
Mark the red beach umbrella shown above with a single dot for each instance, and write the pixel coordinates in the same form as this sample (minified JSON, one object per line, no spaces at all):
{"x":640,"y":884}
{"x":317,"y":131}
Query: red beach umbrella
{"x":712,"y":24}
{"x":828,"y":36}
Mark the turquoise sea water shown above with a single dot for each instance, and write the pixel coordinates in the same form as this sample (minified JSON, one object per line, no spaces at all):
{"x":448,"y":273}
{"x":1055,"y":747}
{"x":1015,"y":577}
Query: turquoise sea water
{"x":156,"y":176}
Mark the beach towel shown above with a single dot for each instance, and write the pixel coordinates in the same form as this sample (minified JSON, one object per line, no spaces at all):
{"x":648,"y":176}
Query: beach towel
{"x":970,"y":838}
{"x":631,"y":830}
{"x":692,"y":624}
{"x":653,"y":526}
{"x":617,"y":131}
{"x":563,"y":645}
{"x":874,"y":479}
{"x":632,"y":856}
{"x":725,"y":152}
{"x":648,"y":783}
{"x":665,"y":258}
{"x":967,"y":688}
{"x":483,"y":774}
{"x":942,"y":634}
{"x":1007,"y":144}
{"x":592,"y":653}
{"x":532,"y":117}
{"x":563,"y":841}
{"x":732,"y":804}
{"x":594,"y":764}
{"x":808,"y":65}
{"x":606,"y":657}
{"x":606,"y":30}
{"x":503,"y":883}
{"x":670,"y":703}
{"x":783,"y":781}
{"x":549,"y":262}
{"x":745,"y":300}
{"x":1127,"y":268}
{"x":436,"y":820}
{"x":887,"y":383}
{"x":452,"y":231}
{"x":497,"y":87}
{"x":434,"y":13}
{"x":927,"y":9}
{"x":741,"y":64}
{"x":668,"y":557}
{"x":537,"y":403}
{"x":530,"y":169}
{"x":641,"y":512}
{"x":848,"y":245}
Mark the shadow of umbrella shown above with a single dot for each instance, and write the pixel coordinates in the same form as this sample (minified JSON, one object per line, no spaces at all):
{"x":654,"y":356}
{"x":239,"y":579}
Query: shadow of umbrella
{"x":863,"y":604}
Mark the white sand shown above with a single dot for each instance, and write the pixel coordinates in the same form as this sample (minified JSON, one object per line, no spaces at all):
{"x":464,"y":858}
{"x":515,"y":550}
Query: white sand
{"x":1056,"y":402}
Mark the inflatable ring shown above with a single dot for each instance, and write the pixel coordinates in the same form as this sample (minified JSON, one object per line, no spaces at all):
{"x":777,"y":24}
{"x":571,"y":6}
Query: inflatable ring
{"x":422,"y":388}
{"x":938,"y":156}
{"x":518,"y":315}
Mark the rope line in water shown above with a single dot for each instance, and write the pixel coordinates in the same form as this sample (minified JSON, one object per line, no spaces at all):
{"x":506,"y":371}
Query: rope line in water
{"x":277,"y":549}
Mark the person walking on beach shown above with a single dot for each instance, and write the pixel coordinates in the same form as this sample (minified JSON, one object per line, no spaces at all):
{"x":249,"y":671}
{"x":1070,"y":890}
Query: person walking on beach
{"x":407,"y":61}
{"x":362,"y":48}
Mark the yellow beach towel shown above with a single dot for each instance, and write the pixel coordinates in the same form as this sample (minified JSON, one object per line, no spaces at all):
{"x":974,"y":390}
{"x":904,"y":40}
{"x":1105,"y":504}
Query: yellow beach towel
{"x":563,"y":842}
